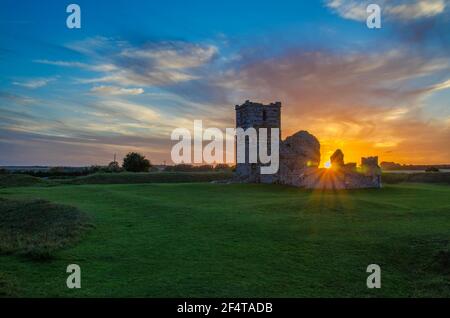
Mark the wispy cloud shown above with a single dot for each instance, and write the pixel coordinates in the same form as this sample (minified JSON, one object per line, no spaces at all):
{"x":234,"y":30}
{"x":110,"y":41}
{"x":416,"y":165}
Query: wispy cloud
{"x":392,"y":9}
{"x":34,"y":82}
{"x":114,"y":90}
{"x":154,"y":63}
{"x":416,"y":9}
{"x":441,"y":86}
{"x":16,"y":99}
{"x":173,"y":55}
{"x":364,"y":103}
{"x":366,"y":100}
{"x":92,"y":67}
{"x":126,"y":110}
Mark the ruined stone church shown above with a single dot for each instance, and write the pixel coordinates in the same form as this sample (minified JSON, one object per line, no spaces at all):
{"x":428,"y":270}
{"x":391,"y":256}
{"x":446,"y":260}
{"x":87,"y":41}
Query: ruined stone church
{"x":299,"y":157}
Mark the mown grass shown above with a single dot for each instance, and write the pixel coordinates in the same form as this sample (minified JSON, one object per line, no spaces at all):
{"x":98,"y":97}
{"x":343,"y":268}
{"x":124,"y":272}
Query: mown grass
{"x":38,"y":228}
{"x":8,"y":286}
{"x":241,"y":240}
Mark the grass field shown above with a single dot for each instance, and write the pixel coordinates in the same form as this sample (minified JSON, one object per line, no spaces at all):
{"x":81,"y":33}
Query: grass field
{"x":239,"y":240}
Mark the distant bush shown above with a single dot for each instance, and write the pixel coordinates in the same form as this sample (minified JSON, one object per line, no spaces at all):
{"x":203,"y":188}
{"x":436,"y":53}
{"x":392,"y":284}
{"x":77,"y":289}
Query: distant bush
{"x":432,"y":169}
{"x":113,"y":166}
{"x":94,"y":168}
{"x":56,"y":170}
{"x":3,"y":171}
{"x":180,"y":167}
{"x":63,"y":172}
{"x":38,"y":228}
{"x":442,"y":177}
{"x":135,"y":162}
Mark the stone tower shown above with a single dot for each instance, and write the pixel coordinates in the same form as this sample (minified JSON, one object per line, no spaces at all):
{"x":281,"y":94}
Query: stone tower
{"x":257,"y":115}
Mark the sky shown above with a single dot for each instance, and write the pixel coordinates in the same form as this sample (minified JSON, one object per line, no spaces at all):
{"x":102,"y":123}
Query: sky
{"x":136,"y":70}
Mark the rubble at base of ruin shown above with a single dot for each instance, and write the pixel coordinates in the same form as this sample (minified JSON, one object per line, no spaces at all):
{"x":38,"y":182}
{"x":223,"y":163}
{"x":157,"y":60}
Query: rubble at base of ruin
{"x":300,"y":157}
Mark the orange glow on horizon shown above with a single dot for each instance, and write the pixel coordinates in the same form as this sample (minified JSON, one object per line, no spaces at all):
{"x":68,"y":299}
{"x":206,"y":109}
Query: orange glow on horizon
{"x":359,"y":139}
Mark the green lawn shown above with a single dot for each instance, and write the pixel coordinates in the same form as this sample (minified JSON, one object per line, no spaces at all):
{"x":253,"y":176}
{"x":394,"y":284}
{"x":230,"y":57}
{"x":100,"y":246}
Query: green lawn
{"x":239,"y":240}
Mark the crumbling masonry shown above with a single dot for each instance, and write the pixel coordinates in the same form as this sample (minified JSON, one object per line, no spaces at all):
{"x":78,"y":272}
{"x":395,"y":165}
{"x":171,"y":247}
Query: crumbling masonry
{"x":300,"y":157}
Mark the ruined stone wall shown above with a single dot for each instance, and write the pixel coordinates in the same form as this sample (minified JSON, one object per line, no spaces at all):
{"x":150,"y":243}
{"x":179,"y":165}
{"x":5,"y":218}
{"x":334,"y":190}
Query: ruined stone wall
{"x":300,"y":157}
{"x":371,"y":170}
{"x":257,"y":115}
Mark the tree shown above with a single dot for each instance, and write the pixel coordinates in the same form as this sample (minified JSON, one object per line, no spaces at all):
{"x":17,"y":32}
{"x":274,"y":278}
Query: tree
{"x":113,"y":166}
{"x":136,"y":162}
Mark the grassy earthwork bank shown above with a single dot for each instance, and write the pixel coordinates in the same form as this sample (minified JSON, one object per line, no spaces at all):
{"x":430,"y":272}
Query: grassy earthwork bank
{"x":227,"y":240}
{"x":11,"y":180}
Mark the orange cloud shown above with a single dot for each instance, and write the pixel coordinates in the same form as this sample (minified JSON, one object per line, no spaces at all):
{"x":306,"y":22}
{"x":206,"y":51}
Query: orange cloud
{"x":365,"y":104}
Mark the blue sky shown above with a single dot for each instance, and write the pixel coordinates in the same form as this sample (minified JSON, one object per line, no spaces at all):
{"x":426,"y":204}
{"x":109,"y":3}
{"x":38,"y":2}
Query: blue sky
{"x":138,"y":69}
